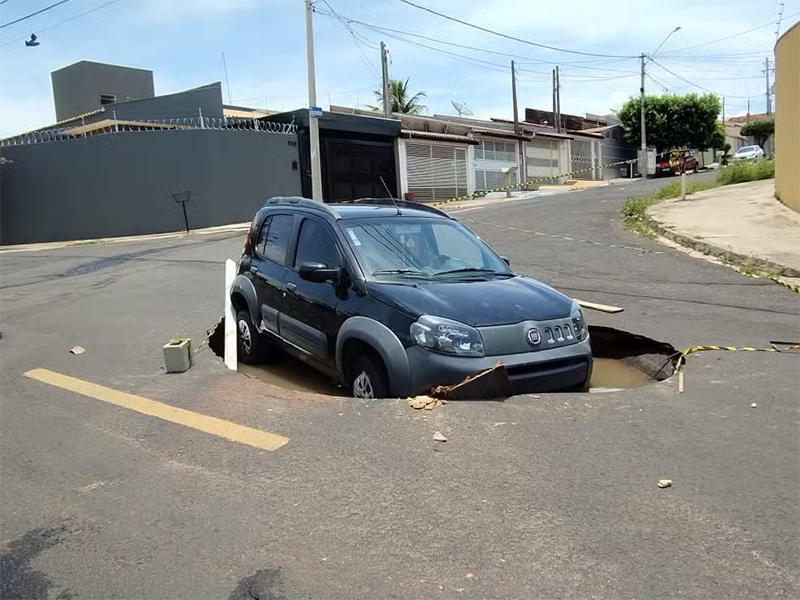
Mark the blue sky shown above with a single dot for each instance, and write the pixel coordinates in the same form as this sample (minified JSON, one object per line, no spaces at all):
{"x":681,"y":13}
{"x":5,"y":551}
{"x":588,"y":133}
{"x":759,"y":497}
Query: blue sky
{"x":264,"y":43}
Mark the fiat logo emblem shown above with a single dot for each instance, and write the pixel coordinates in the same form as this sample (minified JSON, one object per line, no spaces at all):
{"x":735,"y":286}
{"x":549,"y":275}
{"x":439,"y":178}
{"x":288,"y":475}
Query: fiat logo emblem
{"x":534,"y":337}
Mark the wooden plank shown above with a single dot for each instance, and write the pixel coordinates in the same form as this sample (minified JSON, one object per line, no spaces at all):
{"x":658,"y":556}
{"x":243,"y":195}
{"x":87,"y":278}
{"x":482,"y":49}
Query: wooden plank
{"x":600,"y":307}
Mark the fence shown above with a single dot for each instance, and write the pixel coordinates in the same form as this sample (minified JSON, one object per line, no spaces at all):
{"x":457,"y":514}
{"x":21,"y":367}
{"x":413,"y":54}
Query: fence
{"x":117,"y":126}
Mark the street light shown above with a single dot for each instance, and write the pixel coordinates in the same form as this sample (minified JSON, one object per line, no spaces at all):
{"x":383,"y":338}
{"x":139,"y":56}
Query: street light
{"x":641,"y":90}
{"x":653,"y":55}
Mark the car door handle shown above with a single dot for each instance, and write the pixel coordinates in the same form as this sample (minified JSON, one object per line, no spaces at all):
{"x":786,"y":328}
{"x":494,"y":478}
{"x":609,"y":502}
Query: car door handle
{"x":253,"y":270}
{"x":291,"y":287}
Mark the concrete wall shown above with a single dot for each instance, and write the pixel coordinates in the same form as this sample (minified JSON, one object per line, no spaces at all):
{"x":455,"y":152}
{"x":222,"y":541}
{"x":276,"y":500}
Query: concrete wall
{"x":122,"y":184}
{"x":787,"y":118}
{"x":77,"y":87}
{"x":183,"y":105}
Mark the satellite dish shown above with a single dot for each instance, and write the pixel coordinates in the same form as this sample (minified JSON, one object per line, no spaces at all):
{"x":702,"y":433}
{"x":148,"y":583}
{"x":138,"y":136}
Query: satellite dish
{"x":461,"y":109}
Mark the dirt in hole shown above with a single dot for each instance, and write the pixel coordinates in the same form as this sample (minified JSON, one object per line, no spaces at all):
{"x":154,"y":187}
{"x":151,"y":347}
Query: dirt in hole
{"x":622,"y":360}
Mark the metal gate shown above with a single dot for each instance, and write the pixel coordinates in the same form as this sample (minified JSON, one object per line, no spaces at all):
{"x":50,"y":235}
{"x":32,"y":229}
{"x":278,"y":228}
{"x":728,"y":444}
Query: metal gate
{"x":436,"y":171}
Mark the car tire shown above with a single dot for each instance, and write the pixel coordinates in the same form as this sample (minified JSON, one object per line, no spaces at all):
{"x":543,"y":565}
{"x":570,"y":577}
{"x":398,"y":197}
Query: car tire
{"x":696,"y":169}
{"x":368,"y":379}
{"x":252,"y":345}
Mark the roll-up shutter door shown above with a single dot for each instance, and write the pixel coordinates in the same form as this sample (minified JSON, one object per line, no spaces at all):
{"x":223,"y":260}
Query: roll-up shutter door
{"x":436,"y":171}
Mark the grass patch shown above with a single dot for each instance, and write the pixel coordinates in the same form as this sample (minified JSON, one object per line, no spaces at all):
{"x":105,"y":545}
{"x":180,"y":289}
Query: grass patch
{"x":634,"y":214}
{"x":742,"y":171}
{"x":673,"y":190}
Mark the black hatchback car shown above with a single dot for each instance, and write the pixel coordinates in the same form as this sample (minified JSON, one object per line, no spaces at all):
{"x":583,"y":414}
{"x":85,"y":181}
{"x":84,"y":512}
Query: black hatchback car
{"x":391,"y":298}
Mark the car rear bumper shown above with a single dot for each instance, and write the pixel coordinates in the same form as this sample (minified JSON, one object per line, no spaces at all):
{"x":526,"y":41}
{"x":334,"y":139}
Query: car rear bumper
{"x":530,"y":372}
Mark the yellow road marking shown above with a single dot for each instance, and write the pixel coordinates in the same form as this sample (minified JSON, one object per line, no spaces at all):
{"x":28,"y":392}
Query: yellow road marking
{"x":187,"y":418}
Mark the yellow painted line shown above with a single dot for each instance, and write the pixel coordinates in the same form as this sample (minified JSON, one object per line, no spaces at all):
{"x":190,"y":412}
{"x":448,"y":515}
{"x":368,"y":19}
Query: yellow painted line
{"x":173,"y":414}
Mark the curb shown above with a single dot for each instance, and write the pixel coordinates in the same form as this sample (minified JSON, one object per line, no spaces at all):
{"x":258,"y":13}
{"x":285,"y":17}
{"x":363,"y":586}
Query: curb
{"x":725,"y":255}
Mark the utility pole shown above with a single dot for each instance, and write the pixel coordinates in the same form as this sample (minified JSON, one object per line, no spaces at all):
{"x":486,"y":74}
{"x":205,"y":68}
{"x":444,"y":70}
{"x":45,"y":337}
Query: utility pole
{"x":555,"y":103}
{"x":766,"y":79}
{"x":641,"y":102}
{"x":514,"y":97}
{"x":387,"y":100}
{"x":520,"y":154}
{"x":558,"y":96}
{"x":723,"y":111}
{"x":748,"y":111}
{"x":313,"y":111}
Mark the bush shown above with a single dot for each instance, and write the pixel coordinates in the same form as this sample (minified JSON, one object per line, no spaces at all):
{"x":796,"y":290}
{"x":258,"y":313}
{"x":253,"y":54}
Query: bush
{"x":742,"y":171}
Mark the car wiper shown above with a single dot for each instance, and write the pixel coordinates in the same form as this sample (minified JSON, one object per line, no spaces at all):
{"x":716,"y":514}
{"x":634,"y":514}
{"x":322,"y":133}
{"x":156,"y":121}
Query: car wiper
{"x":407,"y":272}
{"x":474,"y":270}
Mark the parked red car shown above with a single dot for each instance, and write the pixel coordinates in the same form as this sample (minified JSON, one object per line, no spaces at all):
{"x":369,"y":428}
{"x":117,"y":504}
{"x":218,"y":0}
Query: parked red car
{"x":675,"y":162}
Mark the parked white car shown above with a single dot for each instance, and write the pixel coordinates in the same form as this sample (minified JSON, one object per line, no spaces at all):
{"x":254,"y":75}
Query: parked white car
{"x":749,"y":153}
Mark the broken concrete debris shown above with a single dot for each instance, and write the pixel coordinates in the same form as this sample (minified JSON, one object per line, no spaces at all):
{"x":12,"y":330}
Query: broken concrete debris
{"x":77,"y":350}
{"x":438,"y":436}
{"x":664,"y":483}
{"x":425,"y":402}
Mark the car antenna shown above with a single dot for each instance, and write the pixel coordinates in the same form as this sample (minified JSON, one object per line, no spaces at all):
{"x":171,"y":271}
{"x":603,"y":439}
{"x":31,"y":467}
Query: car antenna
{"x":391,"y":196}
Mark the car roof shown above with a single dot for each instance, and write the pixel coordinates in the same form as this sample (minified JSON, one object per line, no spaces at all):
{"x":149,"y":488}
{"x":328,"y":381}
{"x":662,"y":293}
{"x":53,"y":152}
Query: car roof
{"x":359,"y":209}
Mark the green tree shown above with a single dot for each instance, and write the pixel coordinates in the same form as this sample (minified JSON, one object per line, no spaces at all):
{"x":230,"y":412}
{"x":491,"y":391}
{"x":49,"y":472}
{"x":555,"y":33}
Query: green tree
{"x":673,"y":121}
{"x":759,"y":130}
{"x":401,"y":101}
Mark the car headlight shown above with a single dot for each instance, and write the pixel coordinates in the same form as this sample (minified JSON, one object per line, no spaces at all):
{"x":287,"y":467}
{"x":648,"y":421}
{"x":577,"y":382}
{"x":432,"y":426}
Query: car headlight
{"x":578,"y":323}
{"x":446,"y":336}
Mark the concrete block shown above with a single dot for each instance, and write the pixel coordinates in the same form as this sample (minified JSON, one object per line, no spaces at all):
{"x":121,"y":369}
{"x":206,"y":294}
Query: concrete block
{"x":178,"y":355}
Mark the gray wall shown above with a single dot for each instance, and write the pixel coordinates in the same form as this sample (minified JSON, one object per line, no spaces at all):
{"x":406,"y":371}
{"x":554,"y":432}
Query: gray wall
{"x":122,"y":184}
{"x":77,"y":87}
{"x":183,"y":105}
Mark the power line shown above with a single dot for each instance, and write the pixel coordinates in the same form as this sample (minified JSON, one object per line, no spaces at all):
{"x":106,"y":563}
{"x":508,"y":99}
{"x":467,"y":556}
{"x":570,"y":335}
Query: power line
{"x":655,"y":62}
{"x":439,"y":41}
{"x":78,"y":16}
{"x":510,"y":37}
{"x":33,"y":14}
{"x":728,"y":37}
{"x":358,"y":42}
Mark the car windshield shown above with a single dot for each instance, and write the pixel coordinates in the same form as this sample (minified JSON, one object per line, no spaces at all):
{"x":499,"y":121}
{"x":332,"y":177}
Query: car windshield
{"x":744,"y":149}
{"x":409,"y":247}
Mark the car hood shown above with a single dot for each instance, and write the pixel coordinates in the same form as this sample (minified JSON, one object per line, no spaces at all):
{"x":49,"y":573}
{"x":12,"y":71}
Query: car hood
{"x":476,"y":303}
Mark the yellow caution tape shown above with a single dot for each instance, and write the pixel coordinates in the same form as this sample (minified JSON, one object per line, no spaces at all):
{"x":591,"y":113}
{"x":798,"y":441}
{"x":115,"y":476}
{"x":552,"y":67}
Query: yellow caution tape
{"x":532,"y":181}
{"x":785,"y":284}
{"x":682,"y":358}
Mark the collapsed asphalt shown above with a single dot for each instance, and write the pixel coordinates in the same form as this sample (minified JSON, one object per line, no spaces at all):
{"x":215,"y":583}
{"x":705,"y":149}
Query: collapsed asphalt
{"x":533,"y":497}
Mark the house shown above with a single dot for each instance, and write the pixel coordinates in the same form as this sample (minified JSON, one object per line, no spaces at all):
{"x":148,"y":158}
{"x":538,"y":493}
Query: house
{"x":117,"y":161}
{"x":358,"y":152}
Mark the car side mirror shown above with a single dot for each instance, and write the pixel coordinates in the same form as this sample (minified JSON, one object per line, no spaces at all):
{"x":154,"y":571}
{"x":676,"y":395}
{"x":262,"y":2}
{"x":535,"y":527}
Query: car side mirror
{"x":319,"y":272}
{"x":505,"y":260}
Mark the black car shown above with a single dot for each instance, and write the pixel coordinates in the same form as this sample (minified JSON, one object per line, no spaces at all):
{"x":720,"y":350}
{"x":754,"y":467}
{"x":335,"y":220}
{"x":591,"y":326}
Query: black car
{"x":391,"y":298}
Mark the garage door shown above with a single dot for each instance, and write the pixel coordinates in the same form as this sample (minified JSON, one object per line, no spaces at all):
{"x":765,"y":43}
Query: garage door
{"x":542,"y":158}
{"x":436,"y":171}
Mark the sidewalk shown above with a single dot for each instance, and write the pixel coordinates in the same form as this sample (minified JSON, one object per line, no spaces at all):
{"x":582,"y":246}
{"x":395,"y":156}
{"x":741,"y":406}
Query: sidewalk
{"x":742,"y":219}
{"x":132,"y":238}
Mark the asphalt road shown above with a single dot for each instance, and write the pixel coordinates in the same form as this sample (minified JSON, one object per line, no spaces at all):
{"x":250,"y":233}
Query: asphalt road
{"x":533,"y":497}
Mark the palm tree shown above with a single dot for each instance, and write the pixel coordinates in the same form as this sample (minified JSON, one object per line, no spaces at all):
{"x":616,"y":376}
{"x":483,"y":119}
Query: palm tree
{"x":401,"y":103}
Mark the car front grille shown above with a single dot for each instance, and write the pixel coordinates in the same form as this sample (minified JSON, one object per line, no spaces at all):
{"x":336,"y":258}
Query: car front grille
{"x":512,"y":339}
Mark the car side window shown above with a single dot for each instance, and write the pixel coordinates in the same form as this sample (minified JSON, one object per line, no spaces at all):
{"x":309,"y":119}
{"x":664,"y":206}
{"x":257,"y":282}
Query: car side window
{"x":262,"y":236}
{"x":276,"y":239}
{"x":316,"y":244}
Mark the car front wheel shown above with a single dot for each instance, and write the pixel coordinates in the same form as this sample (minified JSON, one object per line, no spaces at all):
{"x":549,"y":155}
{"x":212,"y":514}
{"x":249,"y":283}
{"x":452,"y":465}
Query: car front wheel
{"x":251,"y":343}
{"x":368,"y":379}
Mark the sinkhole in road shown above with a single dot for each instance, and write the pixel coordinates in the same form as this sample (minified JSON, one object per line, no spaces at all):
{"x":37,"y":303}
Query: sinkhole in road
{"x":622,"y":360}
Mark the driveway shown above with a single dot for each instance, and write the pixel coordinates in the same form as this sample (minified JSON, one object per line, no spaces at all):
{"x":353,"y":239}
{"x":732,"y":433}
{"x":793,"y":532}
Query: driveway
{"x":533,"y":497}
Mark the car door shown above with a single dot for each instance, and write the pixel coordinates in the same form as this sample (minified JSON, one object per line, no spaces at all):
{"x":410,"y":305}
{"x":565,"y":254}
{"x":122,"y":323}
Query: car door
{"x":309,"y":314}
{"x":268,"y":268}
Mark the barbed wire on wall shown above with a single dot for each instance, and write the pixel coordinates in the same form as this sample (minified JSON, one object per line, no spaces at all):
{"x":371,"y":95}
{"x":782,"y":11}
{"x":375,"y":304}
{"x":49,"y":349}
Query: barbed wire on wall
{"x":119,"y":126}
